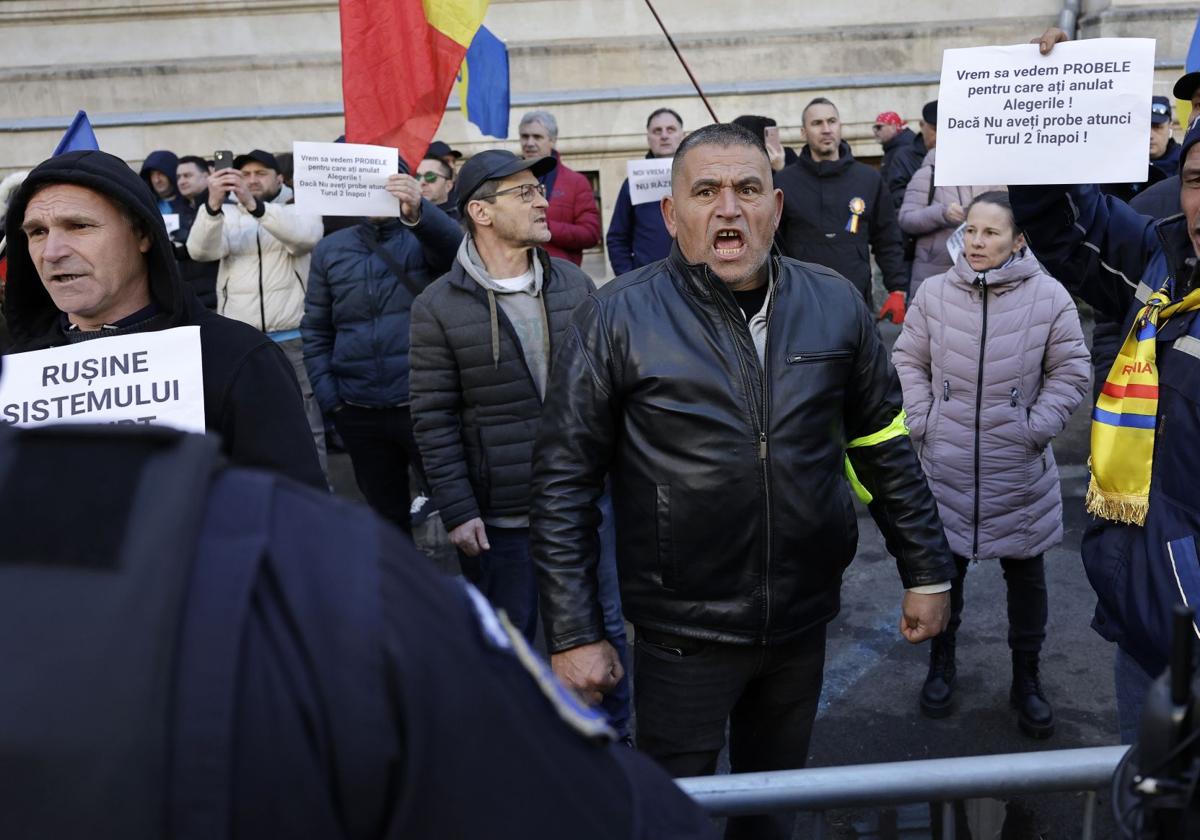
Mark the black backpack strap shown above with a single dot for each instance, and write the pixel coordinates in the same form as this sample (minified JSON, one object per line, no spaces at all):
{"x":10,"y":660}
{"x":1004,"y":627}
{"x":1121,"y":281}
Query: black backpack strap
{"x":99,"y":525}
{"x":390,"y":261}
{"x":233,"y":543}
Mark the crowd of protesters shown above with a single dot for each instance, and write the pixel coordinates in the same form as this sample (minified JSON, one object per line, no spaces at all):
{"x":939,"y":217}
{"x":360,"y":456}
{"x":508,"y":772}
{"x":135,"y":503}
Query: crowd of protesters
{"x":632,"y":452}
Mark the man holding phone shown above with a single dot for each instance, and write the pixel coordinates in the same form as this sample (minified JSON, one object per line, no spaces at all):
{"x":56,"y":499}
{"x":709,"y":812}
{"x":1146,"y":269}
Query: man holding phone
{"x":263,"y":243}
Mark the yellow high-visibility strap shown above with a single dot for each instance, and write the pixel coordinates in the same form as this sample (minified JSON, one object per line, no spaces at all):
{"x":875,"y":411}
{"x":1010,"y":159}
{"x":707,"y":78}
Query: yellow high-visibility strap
{"x":895,"y":429}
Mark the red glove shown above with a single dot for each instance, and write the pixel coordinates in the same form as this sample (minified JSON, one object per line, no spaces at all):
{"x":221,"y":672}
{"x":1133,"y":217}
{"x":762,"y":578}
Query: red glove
{"x":894,"y":307}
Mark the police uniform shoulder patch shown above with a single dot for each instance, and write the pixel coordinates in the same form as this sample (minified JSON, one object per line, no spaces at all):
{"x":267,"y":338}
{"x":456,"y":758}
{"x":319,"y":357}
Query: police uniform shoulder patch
{"x":500,"y":634}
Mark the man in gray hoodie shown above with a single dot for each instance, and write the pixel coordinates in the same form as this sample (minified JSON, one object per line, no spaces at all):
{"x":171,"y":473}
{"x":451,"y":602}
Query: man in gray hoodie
{"x":482,"y":339}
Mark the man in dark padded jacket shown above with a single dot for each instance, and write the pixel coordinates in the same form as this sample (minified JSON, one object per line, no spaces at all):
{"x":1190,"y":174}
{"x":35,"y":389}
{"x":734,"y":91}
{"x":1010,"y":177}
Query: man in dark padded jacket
{"x":89,"y":258}
{"x":723,"y":389}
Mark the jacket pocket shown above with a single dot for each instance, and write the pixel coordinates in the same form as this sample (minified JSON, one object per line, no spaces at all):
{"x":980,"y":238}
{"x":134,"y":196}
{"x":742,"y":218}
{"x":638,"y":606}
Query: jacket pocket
{"x":667,"y":565}
{"x":810,"y":356}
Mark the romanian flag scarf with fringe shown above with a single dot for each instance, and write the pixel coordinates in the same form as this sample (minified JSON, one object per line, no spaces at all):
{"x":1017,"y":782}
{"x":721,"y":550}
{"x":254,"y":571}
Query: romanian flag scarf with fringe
{"x":1124,"y":418}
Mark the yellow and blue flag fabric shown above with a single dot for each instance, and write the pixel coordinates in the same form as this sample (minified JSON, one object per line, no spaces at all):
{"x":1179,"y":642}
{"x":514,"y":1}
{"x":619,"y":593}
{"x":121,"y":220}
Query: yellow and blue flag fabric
{"x":483,"y":84}
{"x":1190,"y":65}
{"x":1124,"y":419}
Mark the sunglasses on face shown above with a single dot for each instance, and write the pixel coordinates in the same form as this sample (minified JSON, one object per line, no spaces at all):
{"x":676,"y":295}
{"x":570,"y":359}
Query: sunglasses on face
{"x":431,"y":177}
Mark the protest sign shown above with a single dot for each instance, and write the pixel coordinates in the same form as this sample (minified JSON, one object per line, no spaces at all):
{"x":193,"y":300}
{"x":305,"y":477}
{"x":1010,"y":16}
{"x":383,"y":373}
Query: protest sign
{"x":1081,"y":115}
{"x":171,"y":220}
{"x":152,"y":378}
{"x":344,"y":179}
{"x":649,"y":180}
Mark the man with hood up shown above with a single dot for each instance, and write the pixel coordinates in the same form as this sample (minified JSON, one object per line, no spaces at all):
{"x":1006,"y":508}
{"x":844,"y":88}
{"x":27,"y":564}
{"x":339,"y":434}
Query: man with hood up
{"x":89,"y":257}
{"x":158,"y":171}
{"x":482,"y":339}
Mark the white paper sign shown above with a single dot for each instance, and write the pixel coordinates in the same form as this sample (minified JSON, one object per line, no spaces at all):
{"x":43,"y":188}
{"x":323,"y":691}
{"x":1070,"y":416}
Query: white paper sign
{"x":153,"y":378}
{"x":171,"y":220}
{"x":344,"y":179}
{"x":649,"y":180}
{"x":1081,"y":115}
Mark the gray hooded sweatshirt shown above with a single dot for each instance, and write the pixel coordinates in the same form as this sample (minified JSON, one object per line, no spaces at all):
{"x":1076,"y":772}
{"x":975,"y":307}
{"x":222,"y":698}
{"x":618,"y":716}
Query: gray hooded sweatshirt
{"x":524,"y":307}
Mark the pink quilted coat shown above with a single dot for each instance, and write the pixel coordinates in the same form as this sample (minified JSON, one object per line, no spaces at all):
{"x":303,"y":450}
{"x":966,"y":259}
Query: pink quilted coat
{"x":992,"y":367}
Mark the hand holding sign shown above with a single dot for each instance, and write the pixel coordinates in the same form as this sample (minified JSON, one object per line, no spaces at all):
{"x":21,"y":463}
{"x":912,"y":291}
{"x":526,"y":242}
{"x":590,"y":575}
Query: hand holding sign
{"x":407,"y":190}
{"x":1026,"y":114}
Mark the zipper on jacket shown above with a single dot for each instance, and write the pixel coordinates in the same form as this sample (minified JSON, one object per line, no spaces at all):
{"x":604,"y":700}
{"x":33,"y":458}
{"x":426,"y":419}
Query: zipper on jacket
{"x":1012,"y":397}
{"x":759,"y":427}
{"x":262,"y":304}
{"x":945,"y":390}
{"x":817,"y":356}
{"x":981,"y":282}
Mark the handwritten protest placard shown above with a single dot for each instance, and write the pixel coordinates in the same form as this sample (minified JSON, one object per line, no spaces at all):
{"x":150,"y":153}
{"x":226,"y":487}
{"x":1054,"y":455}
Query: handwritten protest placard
{"x":649,"y":180}
{"x":152,"y":378}
{"x":1081,"y":115}
{"x":344,"y":179}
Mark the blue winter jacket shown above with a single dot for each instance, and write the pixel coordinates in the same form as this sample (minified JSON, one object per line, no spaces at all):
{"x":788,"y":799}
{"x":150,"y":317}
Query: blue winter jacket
{"x":1114,"y":258}
{"x":637,"y":234}
{"x":356,"y":310}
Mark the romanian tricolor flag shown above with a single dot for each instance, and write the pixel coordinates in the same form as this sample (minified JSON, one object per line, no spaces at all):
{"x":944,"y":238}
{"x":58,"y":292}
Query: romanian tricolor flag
{"x":483,"y":84}
{"x":400,"y":59}
{"x":1124,"y":419}
{"x":1191,"y":64}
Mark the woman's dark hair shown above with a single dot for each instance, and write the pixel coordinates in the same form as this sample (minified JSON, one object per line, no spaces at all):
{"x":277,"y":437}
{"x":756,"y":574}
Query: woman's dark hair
{"x":1000,"y":199}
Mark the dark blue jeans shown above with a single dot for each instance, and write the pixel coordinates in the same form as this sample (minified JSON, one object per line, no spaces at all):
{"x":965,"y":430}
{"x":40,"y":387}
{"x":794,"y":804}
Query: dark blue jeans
{"x":617,"y":704}
{"x":504,"y":574}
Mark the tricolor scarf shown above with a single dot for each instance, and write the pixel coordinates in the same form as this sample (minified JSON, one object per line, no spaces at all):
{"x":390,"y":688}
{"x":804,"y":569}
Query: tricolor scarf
{"x":1123,"y":420}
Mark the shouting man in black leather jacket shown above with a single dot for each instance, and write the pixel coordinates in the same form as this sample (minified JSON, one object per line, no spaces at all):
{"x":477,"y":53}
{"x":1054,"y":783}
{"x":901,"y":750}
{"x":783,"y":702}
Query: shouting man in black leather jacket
{"x":722,"y":389}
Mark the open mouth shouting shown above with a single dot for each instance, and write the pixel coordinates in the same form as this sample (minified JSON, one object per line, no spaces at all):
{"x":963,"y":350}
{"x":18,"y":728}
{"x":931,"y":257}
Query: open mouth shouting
{"x":729,"y":243}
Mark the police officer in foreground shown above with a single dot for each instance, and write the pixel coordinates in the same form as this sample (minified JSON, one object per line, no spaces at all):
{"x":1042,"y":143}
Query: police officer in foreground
{"x":200,"y":651}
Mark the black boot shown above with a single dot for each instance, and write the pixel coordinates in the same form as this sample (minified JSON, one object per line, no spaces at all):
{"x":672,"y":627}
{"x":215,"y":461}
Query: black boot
{"x":1036,"y":717}
{"x":937,"y":694}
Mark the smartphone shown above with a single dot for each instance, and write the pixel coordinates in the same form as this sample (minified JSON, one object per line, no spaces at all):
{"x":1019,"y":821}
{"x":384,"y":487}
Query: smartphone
{"x":771,"y":137}
{"x":222,"y":159}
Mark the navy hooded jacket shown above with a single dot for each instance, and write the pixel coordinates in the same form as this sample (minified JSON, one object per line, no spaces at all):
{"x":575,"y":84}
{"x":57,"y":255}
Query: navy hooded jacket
{"x":167,"y":163}
{"x":251,"y":397}
{"x":1114,"y":258}
{"x":357,"y":311}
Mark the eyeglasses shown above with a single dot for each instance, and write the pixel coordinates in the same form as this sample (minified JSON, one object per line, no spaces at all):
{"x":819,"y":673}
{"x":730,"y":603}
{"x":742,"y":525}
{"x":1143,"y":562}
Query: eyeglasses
{"x":431,"y":177}
{"x":526,"y":191}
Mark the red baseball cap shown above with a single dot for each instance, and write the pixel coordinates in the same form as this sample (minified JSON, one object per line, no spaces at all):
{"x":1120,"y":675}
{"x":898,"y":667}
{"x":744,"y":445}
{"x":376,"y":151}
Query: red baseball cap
{"x":889,"y":118}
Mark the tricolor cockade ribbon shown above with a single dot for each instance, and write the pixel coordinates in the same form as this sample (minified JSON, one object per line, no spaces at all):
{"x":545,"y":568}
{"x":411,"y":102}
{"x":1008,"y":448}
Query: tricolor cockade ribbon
{"x":857,"y":208}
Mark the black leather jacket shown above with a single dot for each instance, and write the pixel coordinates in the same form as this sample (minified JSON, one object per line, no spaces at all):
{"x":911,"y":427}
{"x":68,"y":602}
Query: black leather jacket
{"x":734,"y":517}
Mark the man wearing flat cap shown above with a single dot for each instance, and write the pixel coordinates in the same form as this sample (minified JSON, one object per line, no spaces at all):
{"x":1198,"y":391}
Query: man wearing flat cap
{"x":482,"y":339}
{"x":263,"y":244}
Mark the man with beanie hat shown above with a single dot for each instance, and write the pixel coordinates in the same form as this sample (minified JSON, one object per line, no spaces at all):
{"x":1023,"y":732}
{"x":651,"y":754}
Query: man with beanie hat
{"x":263,"y":243}
{"x":89,"y":257}
{"x":903,"y":151}
{"x":1139,"y":552}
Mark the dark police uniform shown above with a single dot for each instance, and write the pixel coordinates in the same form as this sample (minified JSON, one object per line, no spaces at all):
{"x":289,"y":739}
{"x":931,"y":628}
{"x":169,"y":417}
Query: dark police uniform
{"x":197,"y":651}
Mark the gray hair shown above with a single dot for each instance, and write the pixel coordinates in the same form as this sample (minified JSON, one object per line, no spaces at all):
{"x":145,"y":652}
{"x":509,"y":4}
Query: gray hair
{"x":545,"y":118}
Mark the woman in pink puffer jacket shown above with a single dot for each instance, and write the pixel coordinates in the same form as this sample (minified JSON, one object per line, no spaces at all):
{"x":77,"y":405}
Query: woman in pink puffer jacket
{"x":993,"y":363}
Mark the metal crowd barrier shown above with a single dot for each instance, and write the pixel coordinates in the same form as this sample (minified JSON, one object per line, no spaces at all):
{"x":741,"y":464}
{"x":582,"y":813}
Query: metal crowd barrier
{"x":944,"y":780}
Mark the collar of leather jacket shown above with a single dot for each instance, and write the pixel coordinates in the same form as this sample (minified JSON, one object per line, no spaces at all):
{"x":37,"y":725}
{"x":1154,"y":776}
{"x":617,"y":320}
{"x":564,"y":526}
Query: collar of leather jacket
{"x":697,"y":279}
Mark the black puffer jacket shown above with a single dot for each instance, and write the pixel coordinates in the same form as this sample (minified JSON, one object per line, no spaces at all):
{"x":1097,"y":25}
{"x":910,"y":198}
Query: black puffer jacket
{"x":475,"y":417}
{"x":734,"y":517}
{"x":816,"y":214}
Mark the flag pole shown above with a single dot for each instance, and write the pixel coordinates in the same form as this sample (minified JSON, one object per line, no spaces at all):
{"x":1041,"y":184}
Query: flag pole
{"x":683,"y":61}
